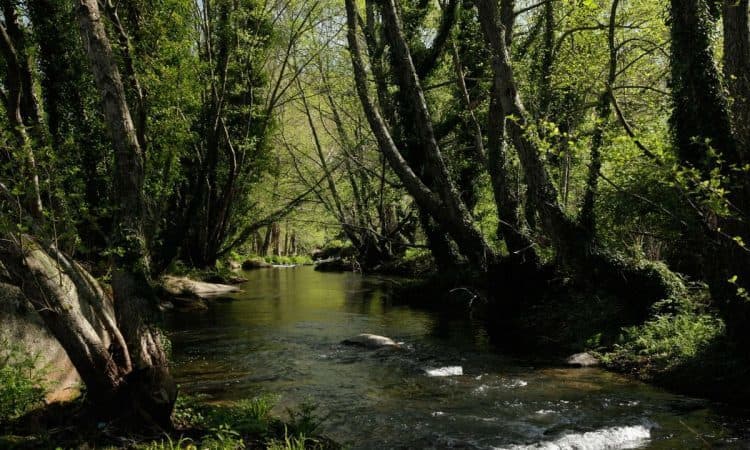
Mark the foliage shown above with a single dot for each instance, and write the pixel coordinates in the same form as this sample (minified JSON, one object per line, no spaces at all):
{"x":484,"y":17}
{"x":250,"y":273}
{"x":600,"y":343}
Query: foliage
{"x":287,"y":260}
{"x":292,"y":443}
{"x":303,"y":420}
{"x":21,"y":383}
{"x":679,"y":332}
{"x":251,"y":416}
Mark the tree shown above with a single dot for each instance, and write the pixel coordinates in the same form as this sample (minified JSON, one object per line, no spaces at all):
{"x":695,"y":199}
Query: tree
{"x":443,"y":203}
{"x":133,"y":372}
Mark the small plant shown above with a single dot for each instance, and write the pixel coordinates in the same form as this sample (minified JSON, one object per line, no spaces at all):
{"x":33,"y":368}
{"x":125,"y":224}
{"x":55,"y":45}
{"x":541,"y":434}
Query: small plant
{"x":292,"y":442}
{"x":21,"y":384}
{"x":223,"y":438}
{"x":303,"y":421}
{"x":187,"y":412}
{"x":247,"y":416}
{"x":679,"y":331}
{"x":182,"y":443}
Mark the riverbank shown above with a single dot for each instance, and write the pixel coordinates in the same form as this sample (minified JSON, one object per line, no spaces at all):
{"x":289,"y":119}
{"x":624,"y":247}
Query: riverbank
{"x":681,"y":345}
{"x":246,"y":424}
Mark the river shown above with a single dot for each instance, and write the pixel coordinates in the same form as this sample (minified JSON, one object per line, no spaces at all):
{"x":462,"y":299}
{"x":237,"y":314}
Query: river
{"x":282,"y":335}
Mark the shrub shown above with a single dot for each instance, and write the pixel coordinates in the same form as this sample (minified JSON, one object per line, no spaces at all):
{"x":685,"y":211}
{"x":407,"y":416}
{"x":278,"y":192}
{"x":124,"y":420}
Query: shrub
{"x":21,"y":384}
{"x":304,"y":420}
{"x":680,"y":330}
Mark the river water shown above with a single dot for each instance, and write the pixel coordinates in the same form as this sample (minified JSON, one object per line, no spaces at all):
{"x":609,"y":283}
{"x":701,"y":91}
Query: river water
{"x":282,"y":335}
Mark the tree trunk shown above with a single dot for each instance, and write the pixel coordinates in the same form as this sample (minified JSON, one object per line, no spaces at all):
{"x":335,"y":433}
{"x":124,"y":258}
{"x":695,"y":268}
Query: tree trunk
{"x":56,"y":286}
{"x":17,"y":82}
{"x":576,"y":250}
{"x":510,"y":224}
{"x":701,"y":122}
{"x":700,"y":118}
{"x":444,"y":205}
{"x":737,"y":68}
{"x":563,"y":231}
{"x":135,"y":303}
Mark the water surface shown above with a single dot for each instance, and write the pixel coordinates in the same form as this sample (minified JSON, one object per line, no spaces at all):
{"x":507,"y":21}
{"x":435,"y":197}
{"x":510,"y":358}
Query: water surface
{"x":282,"y":335}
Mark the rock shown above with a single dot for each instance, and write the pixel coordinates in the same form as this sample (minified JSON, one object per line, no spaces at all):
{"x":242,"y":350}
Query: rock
{"x":251,"y":264}
{"x":234,"y":265}
{"x":21,"y":326}
{"x":584,"y":359}
{"x":371,"y":341}
{"x":450,"y":371}
{"x":185,"y":287}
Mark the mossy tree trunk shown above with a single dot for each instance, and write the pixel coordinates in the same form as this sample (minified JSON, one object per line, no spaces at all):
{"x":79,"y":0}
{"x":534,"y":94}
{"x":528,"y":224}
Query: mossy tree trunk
{"x":709,"y":135}
{"x":577,"y":250}
{"x":135,"y":302}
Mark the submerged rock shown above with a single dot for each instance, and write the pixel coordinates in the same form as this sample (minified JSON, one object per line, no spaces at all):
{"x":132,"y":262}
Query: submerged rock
{"x":584,"y":359}
{"x":372,"y":341}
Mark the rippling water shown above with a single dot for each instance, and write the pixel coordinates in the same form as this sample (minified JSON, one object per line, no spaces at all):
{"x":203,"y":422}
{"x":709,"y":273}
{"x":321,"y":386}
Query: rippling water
{"x":281,"y":336}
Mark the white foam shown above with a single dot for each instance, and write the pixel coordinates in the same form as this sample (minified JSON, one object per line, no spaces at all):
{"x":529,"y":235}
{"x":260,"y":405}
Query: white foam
{"x":606,"y":438}
{"x":448,"y":371}
{"x":512,"y":384}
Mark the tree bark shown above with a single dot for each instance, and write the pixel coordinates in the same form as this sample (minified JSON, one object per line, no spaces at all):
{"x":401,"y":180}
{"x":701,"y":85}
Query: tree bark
{"x":135,"y":302}
{"x":55,"y":286}
{"x":737,"y":68}
{"x":17,"y":80}
{"x":700,"y":118}
{"x":445,"y":204}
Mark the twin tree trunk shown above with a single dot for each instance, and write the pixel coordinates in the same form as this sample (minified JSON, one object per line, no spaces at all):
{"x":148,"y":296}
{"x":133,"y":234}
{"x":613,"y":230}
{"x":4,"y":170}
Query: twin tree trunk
{"x":135,"y":302}
{"x":443,"y":203}
{"x":126,"y":371}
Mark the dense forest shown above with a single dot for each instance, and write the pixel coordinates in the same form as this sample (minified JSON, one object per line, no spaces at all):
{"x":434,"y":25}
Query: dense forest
{"x":581,"y":166}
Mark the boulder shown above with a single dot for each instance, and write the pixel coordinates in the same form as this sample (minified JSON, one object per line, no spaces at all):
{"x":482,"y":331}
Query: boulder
{"x":234,"y":265}
{"x":22,"y":327}
{"x":185,"y":287}
{"x":584,"y":359}
{"x":251,"y":264}
{"x":371,"y":341}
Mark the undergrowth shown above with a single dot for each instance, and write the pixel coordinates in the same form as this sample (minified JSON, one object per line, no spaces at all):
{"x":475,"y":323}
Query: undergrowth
{"x":22,"y":385}
{"x":242,"y":424}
